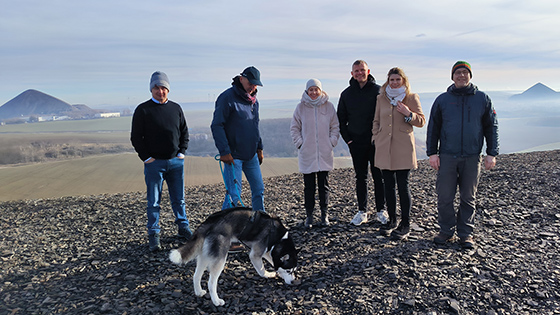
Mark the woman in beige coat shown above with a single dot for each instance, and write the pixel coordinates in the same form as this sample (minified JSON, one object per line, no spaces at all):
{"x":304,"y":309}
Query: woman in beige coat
{"x":398,"y":110}
{"x":315,"y":132}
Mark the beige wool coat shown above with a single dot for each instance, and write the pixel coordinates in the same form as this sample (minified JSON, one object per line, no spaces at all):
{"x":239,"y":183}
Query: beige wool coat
{"x":395,"y":147}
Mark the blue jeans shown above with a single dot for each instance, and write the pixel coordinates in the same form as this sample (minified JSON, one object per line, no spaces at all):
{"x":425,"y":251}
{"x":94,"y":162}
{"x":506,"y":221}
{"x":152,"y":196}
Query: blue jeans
{"x":252,"y":170}
{"x":172,"y":171}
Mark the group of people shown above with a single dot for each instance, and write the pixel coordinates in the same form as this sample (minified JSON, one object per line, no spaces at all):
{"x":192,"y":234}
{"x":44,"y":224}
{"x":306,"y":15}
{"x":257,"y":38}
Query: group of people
{"x":376,"y":122}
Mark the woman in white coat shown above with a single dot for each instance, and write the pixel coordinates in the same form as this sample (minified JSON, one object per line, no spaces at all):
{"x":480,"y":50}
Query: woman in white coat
{"x":315,"y":131}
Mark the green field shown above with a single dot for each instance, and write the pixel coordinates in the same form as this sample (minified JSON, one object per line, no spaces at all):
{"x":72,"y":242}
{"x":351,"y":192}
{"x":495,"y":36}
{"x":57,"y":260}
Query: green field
{"x":113,"y":174}
{"x":59,"y":140}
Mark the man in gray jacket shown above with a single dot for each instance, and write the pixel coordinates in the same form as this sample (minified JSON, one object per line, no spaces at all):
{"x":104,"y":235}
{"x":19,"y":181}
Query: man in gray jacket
{"x":460,"y":120}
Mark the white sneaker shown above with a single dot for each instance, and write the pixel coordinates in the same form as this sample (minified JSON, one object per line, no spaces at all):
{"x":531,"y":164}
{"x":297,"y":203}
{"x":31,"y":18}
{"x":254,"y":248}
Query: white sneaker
{"x":382,"y":217}
{"x":359,"y":218}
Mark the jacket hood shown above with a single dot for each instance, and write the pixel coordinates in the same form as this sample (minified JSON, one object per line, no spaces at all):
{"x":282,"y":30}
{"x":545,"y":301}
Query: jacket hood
{"x":370,"y":80}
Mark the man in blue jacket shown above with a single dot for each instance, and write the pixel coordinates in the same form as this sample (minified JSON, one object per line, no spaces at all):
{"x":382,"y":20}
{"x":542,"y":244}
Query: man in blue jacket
{"x":235,"y":128}
{"x":160,"y":136}
{"x":460,"y":120}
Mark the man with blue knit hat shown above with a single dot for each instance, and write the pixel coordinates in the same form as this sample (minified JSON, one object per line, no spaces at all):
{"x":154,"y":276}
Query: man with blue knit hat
{"x":160,"y":136}
{"x":235,"y":128}
{"x":461,"y":119}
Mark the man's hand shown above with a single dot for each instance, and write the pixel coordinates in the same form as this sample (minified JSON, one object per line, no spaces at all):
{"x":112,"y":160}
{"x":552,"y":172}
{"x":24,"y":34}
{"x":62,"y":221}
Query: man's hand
{"x":434,"y":161}
{"x":489,"y":162}
{"x":228,"y":159}
{"x":260,"y":155}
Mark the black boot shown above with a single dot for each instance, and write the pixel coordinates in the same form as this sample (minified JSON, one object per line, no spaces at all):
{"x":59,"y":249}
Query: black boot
{"x":325,"y":217}
{"x":309,"y":220}
{"x":388,"y":227}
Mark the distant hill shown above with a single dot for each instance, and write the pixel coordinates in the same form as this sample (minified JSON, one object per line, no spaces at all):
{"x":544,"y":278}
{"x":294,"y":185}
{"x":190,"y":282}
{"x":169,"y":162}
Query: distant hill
{"x":538,"y":91}
{"x":33,"y":102}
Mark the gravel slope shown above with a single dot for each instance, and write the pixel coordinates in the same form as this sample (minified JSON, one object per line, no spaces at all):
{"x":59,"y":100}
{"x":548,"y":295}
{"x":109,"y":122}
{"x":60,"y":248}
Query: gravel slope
{"x":88,"y":255}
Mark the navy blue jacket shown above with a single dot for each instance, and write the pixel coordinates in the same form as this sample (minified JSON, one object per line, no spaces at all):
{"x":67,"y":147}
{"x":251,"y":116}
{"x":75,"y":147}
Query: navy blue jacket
{"x":159,"y":130}
{"x":460,"y":120}
{"x":235,"y":126}
{"x":356,"y":110}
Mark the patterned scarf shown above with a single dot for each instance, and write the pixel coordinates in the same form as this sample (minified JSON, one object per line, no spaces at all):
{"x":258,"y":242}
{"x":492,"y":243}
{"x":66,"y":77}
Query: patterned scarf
{"x":241,"y":91}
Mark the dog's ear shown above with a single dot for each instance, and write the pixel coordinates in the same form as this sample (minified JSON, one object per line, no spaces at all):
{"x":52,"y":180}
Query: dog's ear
{"x":285,"y":258}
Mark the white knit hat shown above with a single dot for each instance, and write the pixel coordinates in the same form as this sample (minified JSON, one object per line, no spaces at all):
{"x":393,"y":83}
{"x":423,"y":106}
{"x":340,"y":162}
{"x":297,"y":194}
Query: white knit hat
{"x":313,"y":82}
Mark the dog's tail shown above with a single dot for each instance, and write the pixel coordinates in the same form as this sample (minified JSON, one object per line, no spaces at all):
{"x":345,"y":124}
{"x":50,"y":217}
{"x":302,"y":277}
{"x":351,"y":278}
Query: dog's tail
{"x":188,"y":251}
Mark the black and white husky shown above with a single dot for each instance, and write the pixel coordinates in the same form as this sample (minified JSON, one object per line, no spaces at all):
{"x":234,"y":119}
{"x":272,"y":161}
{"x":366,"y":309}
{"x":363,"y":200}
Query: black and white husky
{"x":264,"y":234}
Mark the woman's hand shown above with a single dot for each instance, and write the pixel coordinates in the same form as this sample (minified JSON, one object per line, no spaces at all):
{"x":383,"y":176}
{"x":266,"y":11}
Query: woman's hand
{"x":403,"y":109}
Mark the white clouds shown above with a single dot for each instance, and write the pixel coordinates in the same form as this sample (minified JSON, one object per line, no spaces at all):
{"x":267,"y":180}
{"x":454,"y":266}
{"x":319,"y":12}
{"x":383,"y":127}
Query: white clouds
{"x":104,"y":51}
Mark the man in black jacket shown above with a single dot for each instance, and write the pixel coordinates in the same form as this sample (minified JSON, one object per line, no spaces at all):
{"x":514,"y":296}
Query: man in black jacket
{"x":160,"y":137}
{"x":356,"y":109}
{"x":460,"y":120}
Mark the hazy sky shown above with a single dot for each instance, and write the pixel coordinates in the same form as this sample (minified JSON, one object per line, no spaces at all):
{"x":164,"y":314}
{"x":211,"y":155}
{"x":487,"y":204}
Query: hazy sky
{"x":103,"y":52}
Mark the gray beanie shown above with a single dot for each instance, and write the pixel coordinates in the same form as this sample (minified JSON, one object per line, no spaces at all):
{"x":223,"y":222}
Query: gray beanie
{"x":313,"y":82}
{"x":160,"y":79}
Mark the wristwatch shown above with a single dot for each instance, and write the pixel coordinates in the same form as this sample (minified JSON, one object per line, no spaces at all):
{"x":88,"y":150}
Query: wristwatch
{"x":408,"y":118}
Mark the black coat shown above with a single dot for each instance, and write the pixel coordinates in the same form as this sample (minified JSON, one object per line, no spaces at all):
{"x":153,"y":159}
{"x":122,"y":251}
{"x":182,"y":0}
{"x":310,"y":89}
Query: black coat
{"x":356,"y":110}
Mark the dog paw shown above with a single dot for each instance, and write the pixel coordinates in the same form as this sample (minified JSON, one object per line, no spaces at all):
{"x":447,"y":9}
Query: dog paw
{"x":200,"y":292}
{"x":268,"y":274}
{"x":218,"y":302}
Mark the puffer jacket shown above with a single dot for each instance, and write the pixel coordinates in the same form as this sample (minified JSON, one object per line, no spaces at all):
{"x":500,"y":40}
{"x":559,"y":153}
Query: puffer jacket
{"x":315,"y":132}
{"x":460,"y":120}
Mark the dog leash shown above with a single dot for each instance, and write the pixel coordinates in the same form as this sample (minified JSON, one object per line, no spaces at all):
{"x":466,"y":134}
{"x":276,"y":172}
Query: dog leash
{"x":228,"y":190}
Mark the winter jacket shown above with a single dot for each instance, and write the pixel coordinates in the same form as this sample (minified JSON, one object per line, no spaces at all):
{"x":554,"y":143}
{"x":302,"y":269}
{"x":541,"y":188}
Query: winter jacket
{"x":395,"y":147}
{"x":235,"y":126}
{"x":159,"y":130}
{"x":460,"y":120}
{"x":356,"y":108}
{"x":315,"y":132}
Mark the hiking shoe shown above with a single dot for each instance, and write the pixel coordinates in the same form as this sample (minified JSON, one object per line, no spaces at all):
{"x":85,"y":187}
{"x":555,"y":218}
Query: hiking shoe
{"x":185,"y":233}
{"x":236,"y":247}
{"x":387,"y":228}
{"x":154,"y":243}
{"x":401,"y":232}
{"x":359,"y":218}
{"x":382,"y":217}
{"x":466,"y":242}
{"x":442,"y":238}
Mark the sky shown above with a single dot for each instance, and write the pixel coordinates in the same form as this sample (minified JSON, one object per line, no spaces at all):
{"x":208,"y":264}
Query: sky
{"x":103,"y":52}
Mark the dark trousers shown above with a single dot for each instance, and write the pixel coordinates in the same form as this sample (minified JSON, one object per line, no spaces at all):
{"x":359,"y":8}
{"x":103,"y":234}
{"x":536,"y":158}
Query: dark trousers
{"x":453,"y":172}
{"x":401,"y":178}
{"x":309,"y":189}
{"x":362,"y":154}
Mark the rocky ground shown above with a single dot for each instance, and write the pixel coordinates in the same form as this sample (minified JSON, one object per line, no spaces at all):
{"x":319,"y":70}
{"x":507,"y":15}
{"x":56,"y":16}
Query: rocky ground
{"x":89,"y":255}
